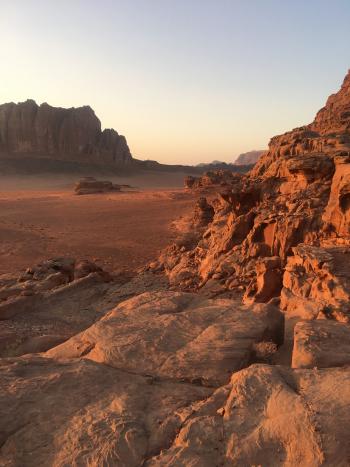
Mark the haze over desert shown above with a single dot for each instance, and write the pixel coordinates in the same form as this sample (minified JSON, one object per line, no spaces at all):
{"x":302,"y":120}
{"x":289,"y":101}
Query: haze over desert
{"x":175,"y":233}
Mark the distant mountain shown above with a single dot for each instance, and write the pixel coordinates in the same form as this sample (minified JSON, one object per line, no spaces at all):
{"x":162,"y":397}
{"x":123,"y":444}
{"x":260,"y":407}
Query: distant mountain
{"x":28,"y":130}
{"x":218,"y":165}
{"x":248,"y":158}
{"x":42,"y":138}
{"x":243,"y":163}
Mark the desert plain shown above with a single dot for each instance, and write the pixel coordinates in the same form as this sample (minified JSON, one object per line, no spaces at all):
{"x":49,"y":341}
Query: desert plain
{"x":41,"y":217}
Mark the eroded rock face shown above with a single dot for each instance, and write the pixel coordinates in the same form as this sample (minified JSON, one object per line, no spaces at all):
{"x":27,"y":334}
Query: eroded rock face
{"x":316,"y":283}
{"x":211,"y":179}
{"x":203,"y":213}
{"x":321,"y":343}
{"x":298,"y":193}
{"x":337,"y":212}
{"x":179,"y":336}
{"x":68,"y":134}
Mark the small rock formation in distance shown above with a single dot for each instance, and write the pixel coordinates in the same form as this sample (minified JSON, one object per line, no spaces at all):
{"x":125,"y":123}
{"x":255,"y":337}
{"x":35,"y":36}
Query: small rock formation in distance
{"x":89,"y":185}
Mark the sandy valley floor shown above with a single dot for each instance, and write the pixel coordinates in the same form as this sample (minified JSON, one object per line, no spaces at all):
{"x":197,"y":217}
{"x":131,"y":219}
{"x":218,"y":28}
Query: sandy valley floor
{"x":118,"y":231}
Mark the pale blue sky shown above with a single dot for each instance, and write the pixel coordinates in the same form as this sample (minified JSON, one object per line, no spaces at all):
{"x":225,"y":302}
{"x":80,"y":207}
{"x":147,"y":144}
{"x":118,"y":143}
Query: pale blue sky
{"x":185,"y":81}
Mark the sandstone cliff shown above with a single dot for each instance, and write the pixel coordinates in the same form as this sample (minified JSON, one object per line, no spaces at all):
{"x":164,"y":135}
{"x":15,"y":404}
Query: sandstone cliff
{"x":297,"y":193}
{"x":30,"y":130}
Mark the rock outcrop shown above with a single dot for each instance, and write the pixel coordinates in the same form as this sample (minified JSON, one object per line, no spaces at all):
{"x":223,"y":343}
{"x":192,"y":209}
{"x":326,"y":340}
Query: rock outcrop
{"x":267,"y":416}
{"x":48,"y":303}
{"x":80,"y":412}
{"x":321,"y":344}
{"x":212,"y":178}
{"x":74,"y":134}
{"x":316,"y":283}
{"x":89,"y":185}
{"x":296,"y":194}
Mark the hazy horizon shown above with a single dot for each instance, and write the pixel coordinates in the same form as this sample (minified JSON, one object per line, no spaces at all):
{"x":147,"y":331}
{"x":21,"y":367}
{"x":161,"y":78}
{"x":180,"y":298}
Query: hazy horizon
{"x":186,"y":82}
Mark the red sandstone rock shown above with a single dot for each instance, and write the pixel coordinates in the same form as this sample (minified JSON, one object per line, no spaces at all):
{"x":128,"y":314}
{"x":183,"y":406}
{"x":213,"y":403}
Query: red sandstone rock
{"x":296,"y":194}
{"x":177,"y":335}
{"x":321,"y":343}
{"x":317,"y":282}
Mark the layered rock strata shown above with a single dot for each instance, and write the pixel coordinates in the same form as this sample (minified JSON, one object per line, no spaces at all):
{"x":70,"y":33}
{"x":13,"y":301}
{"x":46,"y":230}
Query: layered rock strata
{"x":296,"y":194}
{"x":27,"y":129}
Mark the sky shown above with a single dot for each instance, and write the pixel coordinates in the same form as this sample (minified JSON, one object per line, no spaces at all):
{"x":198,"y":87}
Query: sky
{"x":186,"y":81}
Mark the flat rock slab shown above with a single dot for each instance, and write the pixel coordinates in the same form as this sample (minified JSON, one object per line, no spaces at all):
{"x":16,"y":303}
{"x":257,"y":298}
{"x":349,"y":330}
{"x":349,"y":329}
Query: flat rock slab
{"x":39,"y":322}
{"x":321,"y":343}
{"x":268,"y":416}
{"x":177,"y":335}
{"x":84,"y":413}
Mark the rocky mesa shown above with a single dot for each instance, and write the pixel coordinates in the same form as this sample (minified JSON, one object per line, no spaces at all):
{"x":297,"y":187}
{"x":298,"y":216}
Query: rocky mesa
{"x":74,"y":134}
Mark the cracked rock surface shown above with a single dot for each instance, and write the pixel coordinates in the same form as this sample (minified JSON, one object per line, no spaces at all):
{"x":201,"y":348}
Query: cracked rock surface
{"x":177,"y":335}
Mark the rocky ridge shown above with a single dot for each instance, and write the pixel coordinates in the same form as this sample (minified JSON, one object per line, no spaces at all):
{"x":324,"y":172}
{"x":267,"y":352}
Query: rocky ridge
{"x":296,"y":194}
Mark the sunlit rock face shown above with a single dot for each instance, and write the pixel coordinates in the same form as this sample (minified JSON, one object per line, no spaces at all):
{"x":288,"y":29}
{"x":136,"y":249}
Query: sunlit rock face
{"x":297,"y":193}
{"x":27,"y":129}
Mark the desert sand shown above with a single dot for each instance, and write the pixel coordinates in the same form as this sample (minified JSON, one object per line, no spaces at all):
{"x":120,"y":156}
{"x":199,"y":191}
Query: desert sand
{"x":42,"y":218}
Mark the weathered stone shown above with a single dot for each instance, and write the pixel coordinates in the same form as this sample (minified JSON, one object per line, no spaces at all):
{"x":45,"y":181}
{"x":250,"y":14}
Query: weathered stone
{"x":177,"y":335}
{"x":66,"y":134}
{"x":267,"y":416}
{"x":89,"y":185}
{"x":317,"y":280}
{"x":85,"y":413}
{"x":321,"y":343}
